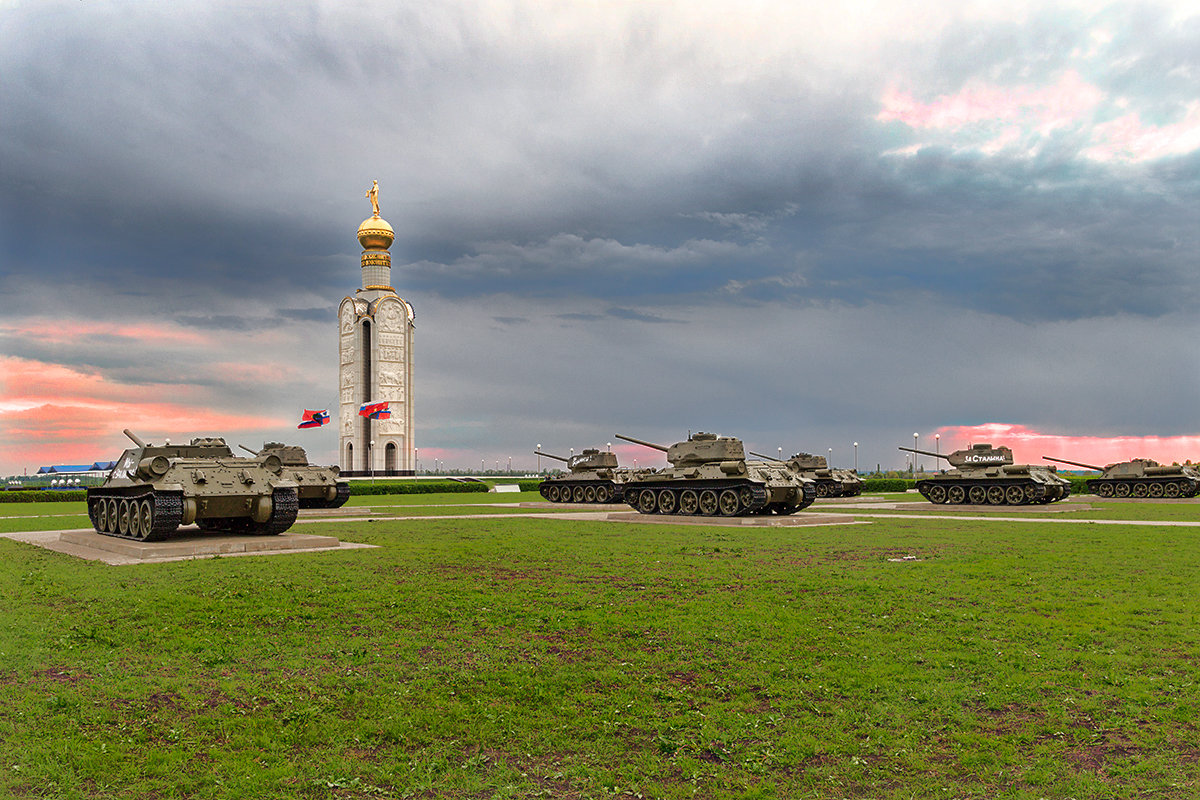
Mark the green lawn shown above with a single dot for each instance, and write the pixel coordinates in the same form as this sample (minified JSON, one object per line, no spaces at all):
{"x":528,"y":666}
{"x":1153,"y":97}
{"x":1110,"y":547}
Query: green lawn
{"x":542,"y":657}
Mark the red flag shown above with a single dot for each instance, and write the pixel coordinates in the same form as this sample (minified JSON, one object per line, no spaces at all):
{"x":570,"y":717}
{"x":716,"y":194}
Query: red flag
{"x":314,"y":419}
{"x":375,"y":410}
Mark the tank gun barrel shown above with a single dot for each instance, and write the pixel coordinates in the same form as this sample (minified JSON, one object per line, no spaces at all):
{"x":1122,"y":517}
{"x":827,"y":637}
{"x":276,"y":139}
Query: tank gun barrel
{"x":651,"y":445}
{"x":768,"y":458}
{"x":248,"y":450}
{"x":1074,"y":463}
{"x":135,"y":439}
{"x":550,"y":455}
{"x":922,"y":452}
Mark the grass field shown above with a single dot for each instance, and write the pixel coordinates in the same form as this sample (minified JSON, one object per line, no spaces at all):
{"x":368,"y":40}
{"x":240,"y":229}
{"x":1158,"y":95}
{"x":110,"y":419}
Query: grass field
{"x":474,"y":658}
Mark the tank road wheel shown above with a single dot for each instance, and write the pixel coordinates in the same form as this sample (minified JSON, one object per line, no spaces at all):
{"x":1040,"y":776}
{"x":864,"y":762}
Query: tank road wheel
{"x":1155,"y":489}
{"x":135,"y":519}
{"x":1033,"y":496}
{"x":577,"y":494}
{"x":589,"y":494}
{"x":745,"y":497}
{"x":147,"y":518}
{"x":1105,"y":490}
{"x":995,"y":495}
{"x":667,"y":501}
{"x":1188,"y":489}
{"x":708,"y":502}
{"x":1140,"y":490}
{"x":689,"y":501}
{"x":1123,"y":489}
{"x":956,"y":495}
{"x":978,"y":495}
{"x":1015,"y":495}
{"x":630,"y":496}
{"x":728,"y":503}
{"x":822,"y":490}
{"x":100,"y":516}
{"x":647,"y":502}
{"x":602,"y":494}
{"x":123,"y":517}
{"x":550,"y":493}
{"x":1171,"y":489}
{"x":937,"y":494}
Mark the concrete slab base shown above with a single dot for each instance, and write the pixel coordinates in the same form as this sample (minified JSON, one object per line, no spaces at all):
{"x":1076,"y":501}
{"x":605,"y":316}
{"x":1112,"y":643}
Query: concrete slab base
{"x":800,"y":520}
{"x":188,"y":544}
{"x":1048,"y":508}
{"x":575,"y":506}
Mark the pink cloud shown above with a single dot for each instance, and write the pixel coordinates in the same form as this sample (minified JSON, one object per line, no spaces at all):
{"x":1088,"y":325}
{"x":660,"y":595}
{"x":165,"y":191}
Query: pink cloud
{"x":50,"y":413}
{"x":1029,"y":446}
{"x":70,"y":331}
{"x":1047,"y":107}
{"x":992,"y":119}
{"x":1128,"y":139}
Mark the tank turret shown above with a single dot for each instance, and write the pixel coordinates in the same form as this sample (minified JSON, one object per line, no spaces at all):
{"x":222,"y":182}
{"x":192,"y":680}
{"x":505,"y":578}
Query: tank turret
{"x":1140,"y":477}
{"x":153,"y":489}
{"x":317,"y":486}
{"x":830,"y":482}
{"x":710,"y":475}
{"x":986,"y":474}
{"x":594,"y":477}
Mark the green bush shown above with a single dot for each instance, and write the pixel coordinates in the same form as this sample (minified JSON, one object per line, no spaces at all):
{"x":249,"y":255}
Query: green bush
{"x":43,"y":495}
{"x":415,"y":487}
{"x":1078,"y":484}
{"x":887,"y":484}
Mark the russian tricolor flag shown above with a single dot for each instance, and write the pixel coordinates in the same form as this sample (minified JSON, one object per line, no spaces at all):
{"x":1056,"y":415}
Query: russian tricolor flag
{"x":375,"y":410}
{"x":314,"y":419}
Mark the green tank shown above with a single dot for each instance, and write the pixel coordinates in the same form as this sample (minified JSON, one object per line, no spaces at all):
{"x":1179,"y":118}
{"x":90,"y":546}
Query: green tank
{"x":316,"y":486}
{"x":983,"y":474}
{"x":709,"y":475}
{"x":830,"y":482}
{"x":1141,"y":477}
{"x":154,"y":489}
{"x":593,"y":477}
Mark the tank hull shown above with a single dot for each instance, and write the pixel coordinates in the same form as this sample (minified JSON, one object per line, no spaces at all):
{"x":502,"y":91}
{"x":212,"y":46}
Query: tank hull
{"x":993,"y":490}
{"x":666,"y":493}
{"x":581,"y":489}
{"x":1170,"y":486}
{"x":152,"y":491}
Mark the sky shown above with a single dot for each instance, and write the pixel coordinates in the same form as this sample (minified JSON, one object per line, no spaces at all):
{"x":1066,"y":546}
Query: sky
{"x":798,"y":224}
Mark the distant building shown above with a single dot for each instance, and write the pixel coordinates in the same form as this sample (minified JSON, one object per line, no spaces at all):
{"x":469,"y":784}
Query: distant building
{"x":375,"y":347}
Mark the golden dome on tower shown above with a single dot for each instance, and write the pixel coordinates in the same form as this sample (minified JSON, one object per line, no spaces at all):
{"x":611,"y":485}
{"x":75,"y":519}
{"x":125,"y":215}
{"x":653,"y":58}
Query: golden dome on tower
{"x":375,"y":233}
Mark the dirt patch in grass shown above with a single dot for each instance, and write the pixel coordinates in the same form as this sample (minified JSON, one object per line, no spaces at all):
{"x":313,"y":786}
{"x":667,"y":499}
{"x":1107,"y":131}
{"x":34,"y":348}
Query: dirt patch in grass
{"x":61,"y":675}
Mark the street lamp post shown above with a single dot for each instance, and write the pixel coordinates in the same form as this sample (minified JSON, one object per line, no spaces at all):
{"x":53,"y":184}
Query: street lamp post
{"x":914,"y":461}
{"x":539,"y":455}
{"x":416,"y":460}
{"x":856,"y":458}
{"x":937,"y":448}
{"x":371,"y":458}
{"x":831,"y":458}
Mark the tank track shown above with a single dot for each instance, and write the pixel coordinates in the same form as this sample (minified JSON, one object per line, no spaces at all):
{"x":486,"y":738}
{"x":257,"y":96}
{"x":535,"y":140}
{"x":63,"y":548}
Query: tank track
{"x":1171,"y":487}
{"x":1013,"y":492}
{"x":598,"y":491}
{"x":343,"y":494}
{"x":711,"y":498}
{"x":111,"y":511}
{"x":284,"y":507}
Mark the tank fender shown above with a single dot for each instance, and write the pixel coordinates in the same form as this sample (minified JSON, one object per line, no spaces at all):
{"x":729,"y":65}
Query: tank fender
{"x":283,"y":484}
